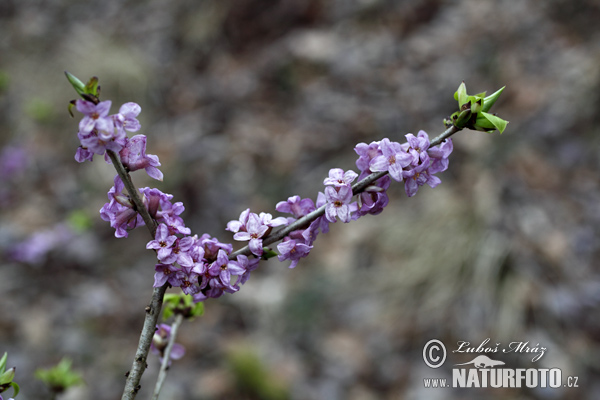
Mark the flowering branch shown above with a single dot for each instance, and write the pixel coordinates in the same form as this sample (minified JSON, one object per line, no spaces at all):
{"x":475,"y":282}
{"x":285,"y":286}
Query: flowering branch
{"x":202,"y":266}
{"x":357,"y":188}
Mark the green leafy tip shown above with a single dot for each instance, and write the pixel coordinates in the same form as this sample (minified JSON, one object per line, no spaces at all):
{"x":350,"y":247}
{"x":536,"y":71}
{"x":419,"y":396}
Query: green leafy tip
{"x":473,"y":111}
{"x":181,"y":304}
{"x":89,"y":91}
{"x":60,"y":377}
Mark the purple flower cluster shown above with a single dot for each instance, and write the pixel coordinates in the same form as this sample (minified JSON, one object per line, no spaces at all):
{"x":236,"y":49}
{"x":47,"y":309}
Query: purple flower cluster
{"x":204,"y":267}
{"x":99,"y":132}
{"x":254,"y":228}
{"x":412,"y":162}
{"x":200,"y":266}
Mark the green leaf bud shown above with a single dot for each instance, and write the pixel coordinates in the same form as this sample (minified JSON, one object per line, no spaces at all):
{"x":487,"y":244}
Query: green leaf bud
{"x":489,"y":101}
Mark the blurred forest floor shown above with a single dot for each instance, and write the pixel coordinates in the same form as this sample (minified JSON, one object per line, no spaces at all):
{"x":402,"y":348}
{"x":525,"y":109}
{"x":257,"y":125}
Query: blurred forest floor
{"x":249,"y":102}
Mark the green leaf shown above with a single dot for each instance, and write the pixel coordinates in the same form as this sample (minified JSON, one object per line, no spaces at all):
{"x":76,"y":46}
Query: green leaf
{"x":268,"y":253}
{"x":460,"y":119}
{"x":16,"y":389}
{"x":76,"y":83}
{"x":461,"y":94}
{"x":489,"y":101}
{"x":60,"y":377}
{"x":92,"y":86}
{"x":197,"y":310}
{"x":496,"y":122}
{"x":3,"y":362}
{"x":7,"y":376}
{"x":476,"y":105}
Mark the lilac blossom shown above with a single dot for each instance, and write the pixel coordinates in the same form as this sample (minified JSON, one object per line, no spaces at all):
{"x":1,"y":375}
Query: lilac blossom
{"x":164,"y":244}
{"x":393,"y":159}
{"x":248,"y":265}
{"x":417,"y":146}
{"x":83,"y":154}
{"x":212,"y":246}
{"x":439,"y":156}
{"x":374,"y":198}
{"x":418,"y":176}
{"x":366,"y":153}
{"x":290,"y":249}
{"x":93,"y":114}
{"x":337,"y":177}
{"x":239,"y":225}
{"x":224,"y":268}
{"x":338,"y":203}
{"x":119,"y":210}
{"x":254,"y":228}
{"x":268,"y":220}
{"x":126,"y":118}
{"x":105,"y":136}
{"x":421,"y":169}
{"x":160,"y":208}
{"x":134,"y":157}
{"x":319,"y":224}
{"x":254,"y":232}
{"x":296,"y":206}
{"x":167,"y":273}
{"x":160,"y":340}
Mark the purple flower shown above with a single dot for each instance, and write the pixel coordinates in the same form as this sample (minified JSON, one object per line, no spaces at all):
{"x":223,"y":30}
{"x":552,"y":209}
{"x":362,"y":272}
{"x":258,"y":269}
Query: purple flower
{"x":338,"y":203}
{"x":268,"y":220}
{"x":255,"y":230}
{"x":248,"y":265}
{"x":134,"y":157}
{"x":223,"y":268}
{"x":374,"y":198}
{"x":393,"y":159}
{"x":366,"y":153}
{"x":83,"y":154}
{"x":417,"y":146}
{"x":167,"y":273}
{"x":160,"y":340}
{"x":119,"y":210}
{"x":105,"y":136}
{"x":126,"y":118}
{"x":418,"y":176}
{"x":439,"y":155}
{"x":163,"y":211}
{"x":290,"y":249}
{"x":164,"y":244}
{"x":337,"y":177}
{"x":296,"y":206}
{"x":94,"y":113}
{"x":240,"y":225}
{"x":320,"y":224}
{"x":212,"y":246}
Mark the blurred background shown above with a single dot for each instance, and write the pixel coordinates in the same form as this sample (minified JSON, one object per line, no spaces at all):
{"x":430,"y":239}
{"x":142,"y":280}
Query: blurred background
{"x":249,"y":102}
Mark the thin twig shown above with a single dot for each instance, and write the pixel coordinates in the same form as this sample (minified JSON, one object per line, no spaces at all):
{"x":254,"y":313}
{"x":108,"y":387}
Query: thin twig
{"x":132,"y":383}
{"x":162,"y":375}
{"x":357,"y":188}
